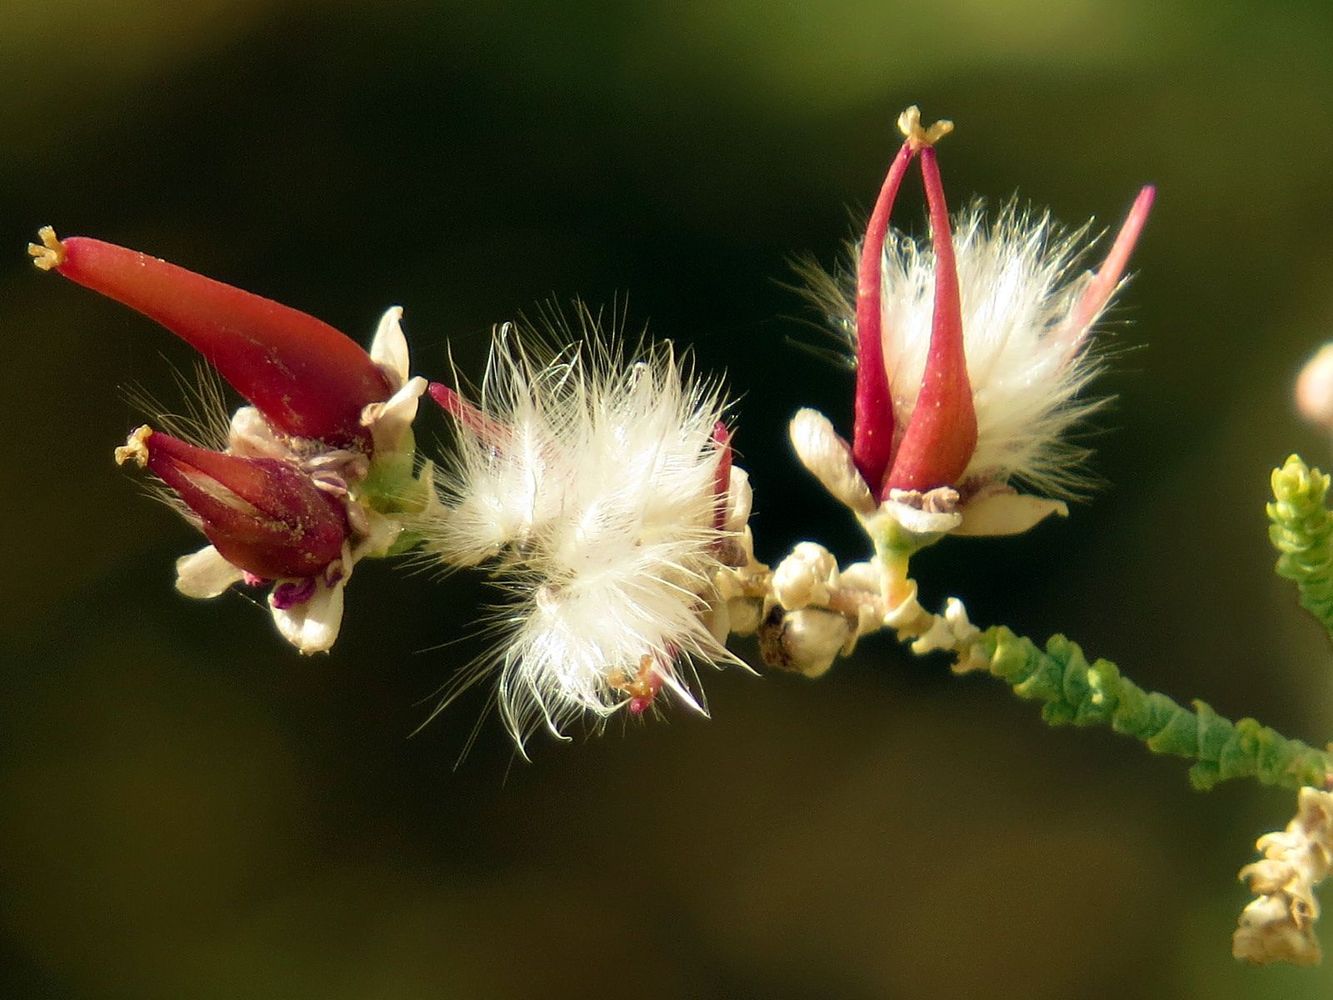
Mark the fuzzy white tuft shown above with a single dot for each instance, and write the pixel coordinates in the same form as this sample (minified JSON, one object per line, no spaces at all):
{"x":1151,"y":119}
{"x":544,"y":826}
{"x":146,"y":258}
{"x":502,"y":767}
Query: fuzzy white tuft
{"x":1020,"y":289}
{"x":591,"y":488}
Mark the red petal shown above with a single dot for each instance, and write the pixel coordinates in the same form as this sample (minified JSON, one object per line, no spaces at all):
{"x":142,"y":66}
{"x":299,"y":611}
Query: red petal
{"x":465,"y":413}
{"x":942,"y":432}
{"x":263,"y":515}
{"x":722,"y":477}
{"x":1104,"y":282}
{"x":308,"y":379}
{"x":872,"y":427}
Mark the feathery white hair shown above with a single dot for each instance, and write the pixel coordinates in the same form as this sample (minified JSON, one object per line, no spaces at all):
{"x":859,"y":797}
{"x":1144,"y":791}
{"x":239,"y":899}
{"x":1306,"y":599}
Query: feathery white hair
{"x":590,"y":486}
{"x":1020,"y":287}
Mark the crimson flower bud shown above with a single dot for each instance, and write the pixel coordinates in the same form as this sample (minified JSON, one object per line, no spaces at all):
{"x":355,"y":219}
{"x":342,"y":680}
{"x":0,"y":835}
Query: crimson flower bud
{"x":942,"y":433}
{"x":263,"y":515}
{"x":308,"y":379}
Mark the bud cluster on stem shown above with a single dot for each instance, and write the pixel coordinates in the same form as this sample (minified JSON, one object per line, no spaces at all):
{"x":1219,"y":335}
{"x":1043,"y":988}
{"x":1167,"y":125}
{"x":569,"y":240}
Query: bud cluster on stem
{"x":313,"y":473}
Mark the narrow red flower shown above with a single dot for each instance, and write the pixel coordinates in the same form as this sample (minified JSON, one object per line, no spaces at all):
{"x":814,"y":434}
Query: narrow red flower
{"x":722,"y":478}
{"x":476,"y":422}
{"x":942,"y":432}
{"x":264,"y":516}
{"x":972,"y":354}
{"x":872,"y":426}
{"x":308,"y":379}
{"x":934,"y":448}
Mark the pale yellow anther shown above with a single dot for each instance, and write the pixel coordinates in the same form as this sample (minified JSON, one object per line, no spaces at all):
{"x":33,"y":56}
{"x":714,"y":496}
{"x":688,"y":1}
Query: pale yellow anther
{"x":135,"y":448}
{"x":50,"y":252}
{"x":909,"y":124}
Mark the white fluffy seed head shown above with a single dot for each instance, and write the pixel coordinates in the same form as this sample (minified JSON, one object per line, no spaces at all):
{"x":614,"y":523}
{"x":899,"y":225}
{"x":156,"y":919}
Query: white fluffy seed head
{"x":1019,"y":285}
{"x":589,"y":484}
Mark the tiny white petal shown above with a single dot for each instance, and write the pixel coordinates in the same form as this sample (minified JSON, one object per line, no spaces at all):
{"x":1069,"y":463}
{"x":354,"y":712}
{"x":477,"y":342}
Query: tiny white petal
{"x":938,"y":637}
{"x":388,"y":349}
{"x":312,"y":626}
{"x":381,"y":532}
{"x":205,"y":573}
{"x":744,"y":615}
{"x":914,"y":519}
{"x":804,"y":577}
{"x":806,"y":641}
{"x":863,"y":576}
{"x":1006,"y":513}
{"x":826,"y":455}
{"x":390,"y":420}
{"x":251,"y":436}
{"x":740,"y":500}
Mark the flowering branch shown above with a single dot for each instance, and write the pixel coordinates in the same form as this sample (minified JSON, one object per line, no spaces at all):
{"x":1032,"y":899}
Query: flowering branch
{"x":598,"y":487}
{"x":1072,"y":690}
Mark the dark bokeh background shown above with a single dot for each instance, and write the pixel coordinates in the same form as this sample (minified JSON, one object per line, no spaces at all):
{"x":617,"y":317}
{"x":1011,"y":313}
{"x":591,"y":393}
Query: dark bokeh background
{"x":189,"y":809}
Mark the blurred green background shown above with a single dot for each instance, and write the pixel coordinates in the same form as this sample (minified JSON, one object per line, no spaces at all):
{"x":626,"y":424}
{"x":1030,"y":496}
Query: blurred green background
{"x":191,"y":810}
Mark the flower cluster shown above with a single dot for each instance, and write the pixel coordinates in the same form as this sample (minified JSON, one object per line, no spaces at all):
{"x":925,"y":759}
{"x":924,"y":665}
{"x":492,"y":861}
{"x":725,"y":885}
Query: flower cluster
{"x":596,"y":483}
{"x":970,"y":355}
{"x":312,"y":476}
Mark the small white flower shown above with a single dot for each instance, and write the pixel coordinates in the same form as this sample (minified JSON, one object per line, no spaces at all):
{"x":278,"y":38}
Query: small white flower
{"x":603,"y":498}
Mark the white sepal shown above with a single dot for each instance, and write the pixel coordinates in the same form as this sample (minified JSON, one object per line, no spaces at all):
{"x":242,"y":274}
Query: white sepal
{"x":312,"y":626}
{"x":826,"y":455}
{"x":1003,"y":512}
{"x":390,"y":421}
{"x":915,"y":520}
{"x":205,"y":573}
{"x":388,"y":349}
{"x":249,"y":435}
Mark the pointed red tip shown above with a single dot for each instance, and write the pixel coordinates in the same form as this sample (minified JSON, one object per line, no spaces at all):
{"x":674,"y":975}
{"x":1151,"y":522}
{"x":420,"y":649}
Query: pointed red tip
{"x":942,"y":432}
{"x":452,"y":403}
{"x":308,"y":379}
{"x":872,"y":427}
{"x":262,"y":515}
{"x":722,"y":477}
{"x":1104,"y":282}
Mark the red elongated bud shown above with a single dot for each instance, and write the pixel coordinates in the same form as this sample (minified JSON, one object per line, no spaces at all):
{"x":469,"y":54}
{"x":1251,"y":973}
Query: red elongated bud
{"x":722,"y":477}
{"x":1104,"y":282}
{"x":264,"y":516}
{"x":872,"y":424}
{"x":941,"y":434}
{"x":465,"y":413}
{"x":307,"y":378}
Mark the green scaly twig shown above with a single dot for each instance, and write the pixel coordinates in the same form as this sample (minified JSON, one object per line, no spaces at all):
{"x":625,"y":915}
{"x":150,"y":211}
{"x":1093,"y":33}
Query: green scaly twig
{"x":1072,"y":691}
{"x":1302,"y":532}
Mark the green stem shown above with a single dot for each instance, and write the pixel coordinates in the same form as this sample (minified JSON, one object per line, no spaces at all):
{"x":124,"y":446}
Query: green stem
{"x":1072,"y":691}
{"x":1302,"y":532}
